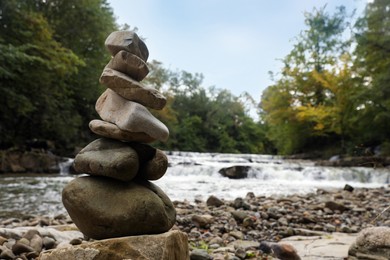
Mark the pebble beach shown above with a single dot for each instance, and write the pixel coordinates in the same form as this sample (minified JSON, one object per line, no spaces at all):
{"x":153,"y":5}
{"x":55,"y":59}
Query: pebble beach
{"x":224,"y":229}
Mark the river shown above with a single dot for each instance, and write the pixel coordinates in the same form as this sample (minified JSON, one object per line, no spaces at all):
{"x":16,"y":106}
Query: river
{"x":195,"y":175}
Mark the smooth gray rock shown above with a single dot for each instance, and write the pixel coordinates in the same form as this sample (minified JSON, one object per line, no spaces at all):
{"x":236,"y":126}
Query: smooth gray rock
{"x":235,"y":172}
{"x":129,"y":64}
{"x":127,"y":41}
{"x":132,"y":90}
{"x":130,"y":116}
{"x":108,"y":157}
{"x":214,"y":201}
{"x":372,"y":242}
{"x":200,"y":254}
{"x":110,"y":130}
{"x":106,"y":208}
{"x":154,"y":168}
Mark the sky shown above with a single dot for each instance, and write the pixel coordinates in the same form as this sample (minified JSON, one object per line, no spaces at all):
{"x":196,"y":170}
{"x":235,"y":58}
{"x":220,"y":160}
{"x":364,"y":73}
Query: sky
{"x":234,"y":44}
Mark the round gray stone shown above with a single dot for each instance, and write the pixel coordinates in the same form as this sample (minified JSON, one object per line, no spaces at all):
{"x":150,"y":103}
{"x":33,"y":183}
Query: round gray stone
{"x":105,"y":208}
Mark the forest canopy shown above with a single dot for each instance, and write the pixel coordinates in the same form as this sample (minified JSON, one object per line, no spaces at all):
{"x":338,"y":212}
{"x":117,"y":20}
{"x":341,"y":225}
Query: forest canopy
{"x":332,"y":95}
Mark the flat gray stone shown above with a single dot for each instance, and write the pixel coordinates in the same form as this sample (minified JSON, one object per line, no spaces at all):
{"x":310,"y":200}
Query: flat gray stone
{"x":105,"y":208}
{"x":110,"y":130}
{"x":132,"y":90}
{"x":172,"y":245}
{"x":130,"y":116}
{"x":127,"y":41}
{"x":327,"y":246}
{"x":129,"y":64}
{"x":108,"y":157}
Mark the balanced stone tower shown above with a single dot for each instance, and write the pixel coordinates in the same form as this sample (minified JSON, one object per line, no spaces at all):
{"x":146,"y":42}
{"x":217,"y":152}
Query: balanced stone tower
{"x":116,"y":197}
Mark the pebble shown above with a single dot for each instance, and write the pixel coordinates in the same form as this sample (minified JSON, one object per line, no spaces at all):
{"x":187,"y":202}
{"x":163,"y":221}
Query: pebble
{"x":271,"y":219}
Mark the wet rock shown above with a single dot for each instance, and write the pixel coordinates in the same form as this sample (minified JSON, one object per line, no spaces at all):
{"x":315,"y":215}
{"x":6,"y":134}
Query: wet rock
{"x":105,"y":208}
{"x":348,"y":187}
{"x":235,"y":172}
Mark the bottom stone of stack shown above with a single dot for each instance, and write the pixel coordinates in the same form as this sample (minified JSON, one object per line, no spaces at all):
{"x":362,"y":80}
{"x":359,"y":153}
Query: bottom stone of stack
{"x":172,"y":245}
{"x":105,"y":208}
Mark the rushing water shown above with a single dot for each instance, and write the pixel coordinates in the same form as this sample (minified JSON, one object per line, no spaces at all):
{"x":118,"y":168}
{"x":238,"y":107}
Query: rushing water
{"x":195,"y":175}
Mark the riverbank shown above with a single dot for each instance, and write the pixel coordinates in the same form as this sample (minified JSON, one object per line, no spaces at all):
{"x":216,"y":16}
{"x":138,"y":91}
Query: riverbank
{"x":236,"y":227}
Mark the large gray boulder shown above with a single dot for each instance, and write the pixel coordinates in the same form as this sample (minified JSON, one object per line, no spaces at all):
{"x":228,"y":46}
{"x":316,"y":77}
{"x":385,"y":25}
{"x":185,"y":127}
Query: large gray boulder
{"x":371,"y":243}
{"x":106,"y":208}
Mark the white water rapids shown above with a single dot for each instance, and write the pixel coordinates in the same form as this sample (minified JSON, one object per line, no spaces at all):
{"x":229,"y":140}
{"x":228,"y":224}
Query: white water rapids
{"x":195,"y":175}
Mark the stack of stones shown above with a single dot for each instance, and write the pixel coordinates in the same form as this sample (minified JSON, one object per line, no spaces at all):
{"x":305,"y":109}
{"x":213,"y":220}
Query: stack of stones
{"x":116,"y":198}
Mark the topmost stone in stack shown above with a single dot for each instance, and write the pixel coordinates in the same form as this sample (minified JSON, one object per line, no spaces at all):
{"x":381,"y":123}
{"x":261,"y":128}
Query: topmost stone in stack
{"x":122,"y":76}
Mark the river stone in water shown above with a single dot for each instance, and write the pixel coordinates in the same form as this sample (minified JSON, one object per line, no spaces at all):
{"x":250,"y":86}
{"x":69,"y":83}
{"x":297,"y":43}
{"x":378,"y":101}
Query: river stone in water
{"x":107,"y":157}
{"x":105,"y":208}
{"x":235,"y":172}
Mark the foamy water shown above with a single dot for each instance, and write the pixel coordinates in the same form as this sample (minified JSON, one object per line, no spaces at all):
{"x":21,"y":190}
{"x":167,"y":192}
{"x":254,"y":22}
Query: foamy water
{"x":195,"y":175}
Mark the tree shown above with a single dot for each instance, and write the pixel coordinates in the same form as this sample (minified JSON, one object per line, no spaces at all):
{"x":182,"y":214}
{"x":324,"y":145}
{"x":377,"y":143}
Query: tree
{"x":372,"y":64}
{"x":51,"y":67}
{"x":200,"y":119}
{"x":33,"y":70}
{"x":96,"y":21}
{"x":302,"y":109}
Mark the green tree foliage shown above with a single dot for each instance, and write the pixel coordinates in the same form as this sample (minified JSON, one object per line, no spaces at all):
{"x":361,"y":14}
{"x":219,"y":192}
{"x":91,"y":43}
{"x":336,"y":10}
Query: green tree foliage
{"x":329,"y":93}
{"x":52,"y":54}
{"x":372,"y":120}
{"x":202,"y":119}
{"x":305,"y":106}
{"x":33,"y":71}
